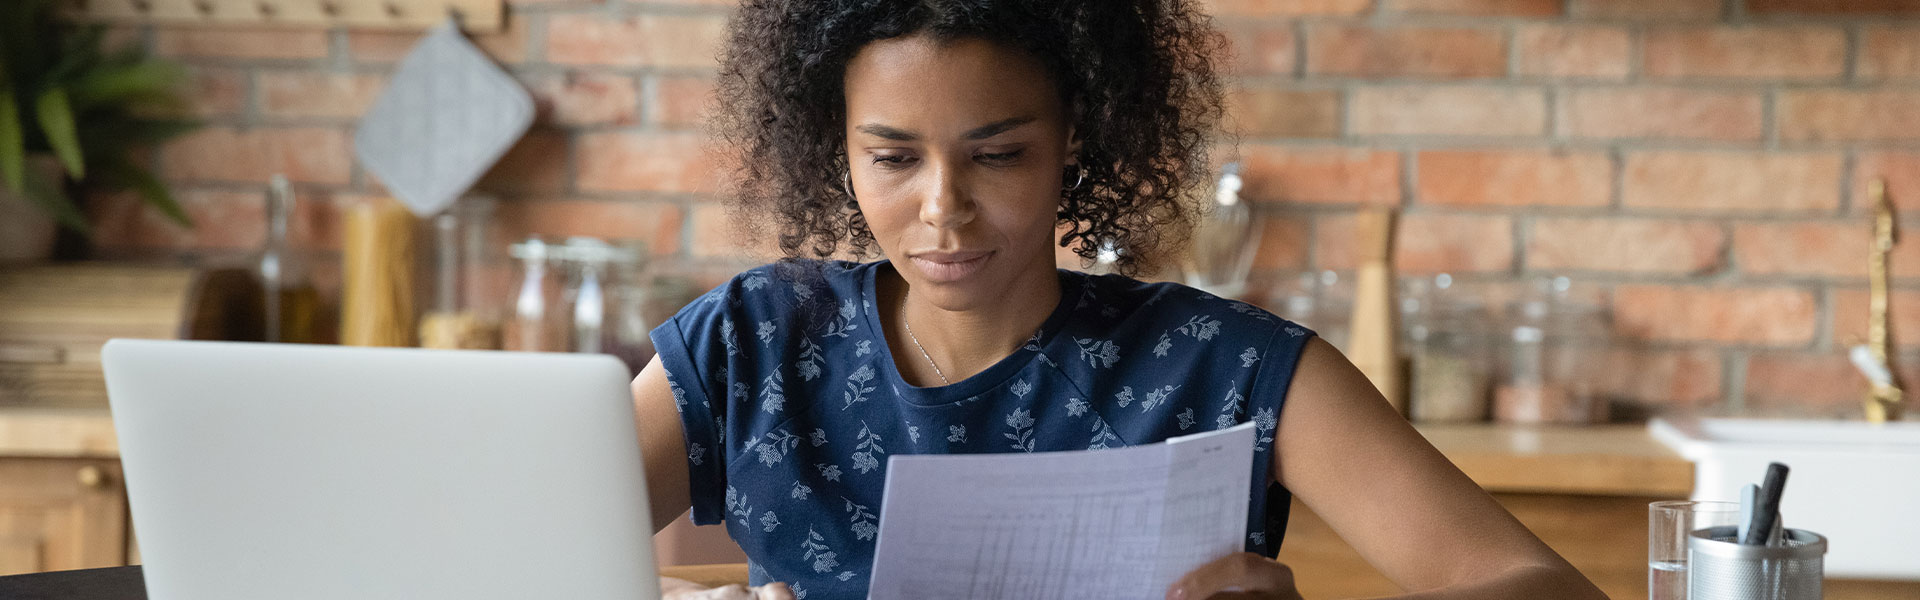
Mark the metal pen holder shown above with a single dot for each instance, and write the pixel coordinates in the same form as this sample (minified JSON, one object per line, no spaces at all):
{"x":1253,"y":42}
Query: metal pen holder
{"x":1722,"y":569}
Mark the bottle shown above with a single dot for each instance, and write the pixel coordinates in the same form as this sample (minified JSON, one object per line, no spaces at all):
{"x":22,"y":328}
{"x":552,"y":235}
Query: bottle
{"x":1224,"y":241}
{"x":292,"y":310}
{"x":534,"y":328}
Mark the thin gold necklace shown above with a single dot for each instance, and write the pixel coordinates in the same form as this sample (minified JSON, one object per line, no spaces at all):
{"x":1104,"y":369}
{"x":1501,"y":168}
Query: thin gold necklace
{"x":923,"y":351}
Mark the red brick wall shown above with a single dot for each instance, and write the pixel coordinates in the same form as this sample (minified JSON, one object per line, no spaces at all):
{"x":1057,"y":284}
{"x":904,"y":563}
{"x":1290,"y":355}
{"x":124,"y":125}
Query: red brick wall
{"x":1700,"y":163}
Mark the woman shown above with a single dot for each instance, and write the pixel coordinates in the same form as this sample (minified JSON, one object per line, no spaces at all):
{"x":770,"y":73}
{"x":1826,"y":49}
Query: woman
{"x":963,"y":140}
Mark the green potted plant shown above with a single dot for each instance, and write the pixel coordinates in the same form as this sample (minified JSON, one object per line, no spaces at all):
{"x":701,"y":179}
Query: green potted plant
{"x":72,"y":115}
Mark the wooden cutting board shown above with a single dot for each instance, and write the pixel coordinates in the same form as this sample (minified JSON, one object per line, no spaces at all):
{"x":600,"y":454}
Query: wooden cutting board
{"x":53,"y":319}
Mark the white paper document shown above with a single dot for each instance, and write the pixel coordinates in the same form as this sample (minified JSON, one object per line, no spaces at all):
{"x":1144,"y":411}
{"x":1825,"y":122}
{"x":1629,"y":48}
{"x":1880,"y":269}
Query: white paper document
{"x":1122,"y":524}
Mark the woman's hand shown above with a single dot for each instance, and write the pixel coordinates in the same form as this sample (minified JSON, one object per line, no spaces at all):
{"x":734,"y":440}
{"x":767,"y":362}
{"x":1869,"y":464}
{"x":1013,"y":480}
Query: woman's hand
{"x":681,"y":589}
{"x":1244,"y":575}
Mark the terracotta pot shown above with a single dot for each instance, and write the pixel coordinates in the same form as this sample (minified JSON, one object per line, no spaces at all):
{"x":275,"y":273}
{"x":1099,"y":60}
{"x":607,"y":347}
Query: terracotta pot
{"x":26,"y":231}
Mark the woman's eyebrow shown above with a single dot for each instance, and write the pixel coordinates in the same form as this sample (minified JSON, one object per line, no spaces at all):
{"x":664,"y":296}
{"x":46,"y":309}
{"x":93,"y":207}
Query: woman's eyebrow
{"x":996,"y":128}
{"x":898,"y":135}
{"x":977,"y":133}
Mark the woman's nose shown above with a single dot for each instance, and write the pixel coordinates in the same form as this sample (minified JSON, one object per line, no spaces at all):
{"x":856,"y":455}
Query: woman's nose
{"x":946,"y":204}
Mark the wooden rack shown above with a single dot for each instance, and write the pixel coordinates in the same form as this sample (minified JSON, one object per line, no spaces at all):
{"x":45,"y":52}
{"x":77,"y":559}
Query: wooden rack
{"x":474,"y":15}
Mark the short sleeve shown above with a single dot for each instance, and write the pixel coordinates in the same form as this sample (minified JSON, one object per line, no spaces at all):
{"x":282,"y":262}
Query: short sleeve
{"x":690,"y":347}
{"x":1278,"y":364}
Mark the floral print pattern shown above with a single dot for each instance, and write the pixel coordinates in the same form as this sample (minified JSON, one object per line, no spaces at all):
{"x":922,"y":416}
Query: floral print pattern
{"x":802,"y":493}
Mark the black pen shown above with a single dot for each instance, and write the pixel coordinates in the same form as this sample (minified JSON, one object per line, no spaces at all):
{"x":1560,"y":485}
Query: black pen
{"x":1766,"y":512}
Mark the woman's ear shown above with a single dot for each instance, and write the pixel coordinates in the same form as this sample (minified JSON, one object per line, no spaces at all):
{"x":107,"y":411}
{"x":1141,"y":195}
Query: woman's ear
{"x":1073,"y":147}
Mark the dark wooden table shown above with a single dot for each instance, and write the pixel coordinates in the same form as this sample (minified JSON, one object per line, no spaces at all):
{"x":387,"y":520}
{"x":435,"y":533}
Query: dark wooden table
{"x":114,"y":583}
{"x":126,"y":583}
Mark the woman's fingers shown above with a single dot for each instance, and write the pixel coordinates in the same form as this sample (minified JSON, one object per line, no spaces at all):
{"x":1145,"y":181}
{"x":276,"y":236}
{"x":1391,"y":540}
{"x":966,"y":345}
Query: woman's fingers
{"x":773,"y":591}
{"x":1246,"y":572}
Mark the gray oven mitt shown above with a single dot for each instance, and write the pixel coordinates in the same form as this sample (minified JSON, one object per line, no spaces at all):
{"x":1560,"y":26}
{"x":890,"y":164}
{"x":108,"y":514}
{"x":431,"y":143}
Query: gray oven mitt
{"x":444,"y":119}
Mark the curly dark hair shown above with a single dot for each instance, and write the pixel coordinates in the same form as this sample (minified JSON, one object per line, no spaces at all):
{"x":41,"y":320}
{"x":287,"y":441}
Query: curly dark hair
{"x":1138,"y":76}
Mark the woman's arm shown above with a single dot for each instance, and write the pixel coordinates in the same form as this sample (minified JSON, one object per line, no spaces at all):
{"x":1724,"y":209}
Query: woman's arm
{"x":662,"y":445}
{"x":1344,"y":452}
{"x":663,"y":448}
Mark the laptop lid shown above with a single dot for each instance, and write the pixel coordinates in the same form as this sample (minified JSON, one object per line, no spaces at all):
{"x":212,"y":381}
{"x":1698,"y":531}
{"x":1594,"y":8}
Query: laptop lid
{"x":284,"y":471}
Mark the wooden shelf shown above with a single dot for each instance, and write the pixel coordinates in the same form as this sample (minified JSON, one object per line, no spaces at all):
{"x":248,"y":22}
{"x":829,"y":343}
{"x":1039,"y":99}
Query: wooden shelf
{"x":1601,"y":460}
{"x":475,"y":15}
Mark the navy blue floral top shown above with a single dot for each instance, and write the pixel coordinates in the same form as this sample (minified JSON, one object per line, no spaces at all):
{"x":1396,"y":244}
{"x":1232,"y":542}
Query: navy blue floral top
{"x":791,"y":402}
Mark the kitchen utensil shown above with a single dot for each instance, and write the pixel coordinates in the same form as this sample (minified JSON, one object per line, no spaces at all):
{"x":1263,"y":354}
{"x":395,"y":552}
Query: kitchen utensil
{"x":446,"y":117}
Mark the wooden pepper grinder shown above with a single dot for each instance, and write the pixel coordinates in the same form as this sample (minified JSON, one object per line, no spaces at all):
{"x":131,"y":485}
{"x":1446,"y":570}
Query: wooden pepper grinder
{"x":1375,"y":328}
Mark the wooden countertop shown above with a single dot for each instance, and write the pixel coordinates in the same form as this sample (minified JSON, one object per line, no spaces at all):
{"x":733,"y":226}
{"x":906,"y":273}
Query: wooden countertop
{"x":1605,"y":460}
{"x":1615,"y":460}
{"x":57,"y":432}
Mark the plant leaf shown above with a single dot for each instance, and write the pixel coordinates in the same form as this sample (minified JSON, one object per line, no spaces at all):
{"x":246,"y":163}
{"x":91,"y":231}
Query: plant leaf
{"x":56,"y":122}
{"x":147,"y":79}
{"x":150,"y":188}
{"x":50,"y":196}
{"x":13,"y":143}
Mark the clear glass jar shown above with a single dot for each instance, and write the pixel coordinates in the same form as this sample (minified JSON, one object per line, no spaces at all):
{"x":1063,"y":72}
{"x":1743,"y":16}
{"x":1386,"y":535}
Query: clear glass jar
{"x":1448,"y":357}
{"x":463,"y":311}
{"x":1551,"y":349}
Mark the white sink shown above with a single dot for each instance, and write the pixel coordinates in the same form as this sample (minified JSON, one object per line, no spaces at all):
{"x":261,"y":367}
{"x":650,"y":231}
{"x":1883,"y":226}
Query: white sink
{"x":1856,"y":483}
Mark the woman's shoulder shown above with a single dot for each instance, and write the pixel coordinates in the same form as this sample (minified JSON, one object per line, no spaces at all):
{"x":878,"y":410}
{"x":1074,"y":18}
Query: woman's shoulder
{"x":1163,"y":308}
{"x":781,"y":290}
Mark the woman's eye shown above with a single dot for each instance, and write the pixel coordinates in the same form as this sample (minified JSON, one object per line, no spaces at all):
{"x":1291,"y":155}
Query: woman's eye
{"x":999,"y":158}
{"x":892,"y":161}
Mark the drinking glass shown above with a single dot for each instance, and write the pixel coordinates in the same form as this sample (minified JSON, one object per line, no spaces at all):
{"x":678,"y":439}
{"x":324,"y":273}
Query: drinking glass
{"x":1668,"y":524}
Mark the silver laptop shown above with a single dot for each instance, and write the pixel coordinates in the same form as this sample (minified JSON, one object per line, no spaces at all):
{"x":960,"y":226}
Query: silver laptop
{"x":282,"y":471}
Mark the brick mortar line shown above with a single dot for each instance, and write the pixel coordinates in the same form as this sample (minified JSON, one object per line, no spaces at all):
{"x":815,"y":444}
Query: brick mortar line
{"x":1522,"y":234}
{"x":1849,"y":164}
{"x":1827,"y":309}
{"x":1636,"y":52}
{"x":1770,"y":118}
{"x":1851,"y":58}
{"x":339,"y":49}
{"x":646,"y":98}
{"x":1409,"y":180}
{"x":536,"y":41}
{"x":1300,"y":57}
{"x":1510,"y":49}
{"x":1555,"y":128}
{"x":1733,"y":379}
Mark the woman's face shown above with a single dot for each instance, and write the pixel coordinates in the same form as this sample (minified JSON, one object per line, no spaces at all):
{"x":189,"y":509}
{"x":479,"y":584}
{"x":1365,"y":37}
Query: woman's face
{"x":956,"y":150}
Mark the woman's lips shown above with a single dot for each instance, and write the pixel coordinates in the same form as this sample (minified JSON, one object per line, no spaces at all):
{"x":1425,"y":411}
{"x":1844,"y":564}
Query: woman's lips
{"x":948,"y":267}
